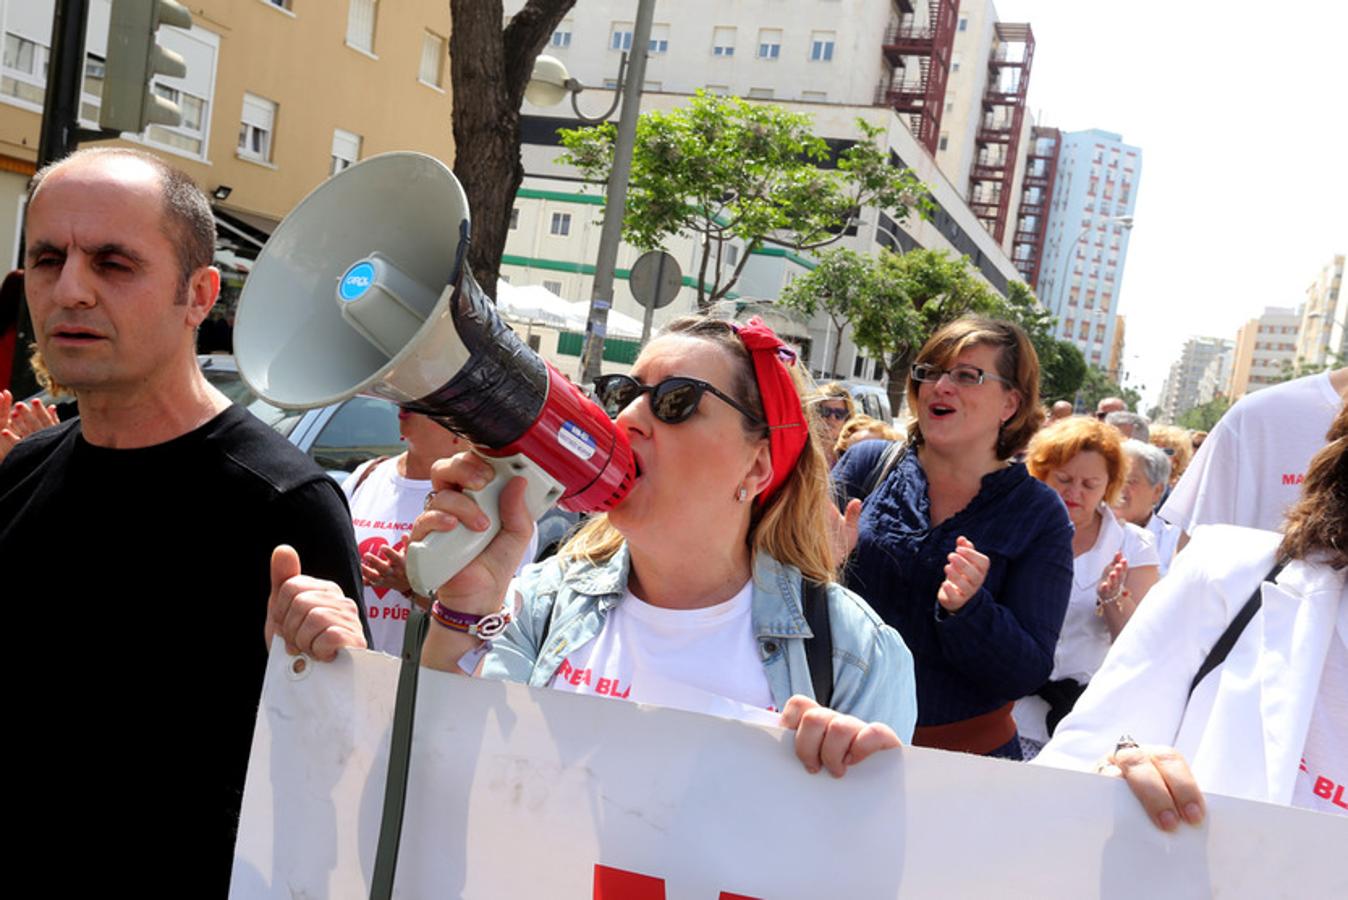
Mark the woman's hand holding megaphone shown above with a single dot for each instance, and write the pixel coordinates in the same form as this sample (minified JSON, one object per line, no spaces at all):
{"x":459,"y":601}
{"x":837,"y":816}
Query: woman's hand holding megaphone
{"x":479,"y":587}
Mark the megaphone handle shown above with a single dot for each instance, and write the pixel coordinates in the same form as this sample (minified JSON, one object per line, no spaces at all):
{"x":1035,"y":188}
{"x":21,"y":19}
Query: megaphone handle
{"x":442,"y":554}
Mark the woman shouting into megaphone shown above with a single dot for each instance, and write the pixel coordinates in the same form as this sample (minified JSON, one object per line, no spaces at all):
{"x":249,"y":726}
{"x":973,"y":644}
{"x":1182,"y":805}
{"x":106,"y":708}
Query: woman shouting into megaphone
{"x":709,"y":587}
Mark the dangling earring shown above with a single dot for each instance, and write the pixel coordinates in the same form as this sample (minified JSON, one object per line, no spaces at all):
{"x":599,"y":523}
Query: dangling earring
{"x":742,"y":494}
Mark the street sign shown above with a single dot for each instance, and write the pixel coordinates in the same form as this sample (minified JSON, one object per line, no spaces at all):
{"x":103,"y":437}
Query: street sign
{"x":655,"y":279}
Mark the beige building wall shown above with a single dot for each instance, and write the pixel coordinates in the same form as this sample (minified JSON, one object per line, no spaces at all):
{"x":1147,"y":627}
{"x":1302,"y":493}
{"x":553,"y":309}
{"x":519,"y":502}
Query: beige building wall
{"x":1264,"y":348}
{"x":298,"y":59}
{"x":974,"y":36}
{"x":1324,"y":319}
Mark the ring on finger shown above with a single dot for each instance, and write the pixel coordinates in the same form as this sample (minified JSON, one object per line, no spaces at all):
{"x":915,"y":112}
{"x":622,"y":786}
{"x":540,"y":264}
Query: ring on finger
{"x":1125,"y":742}
{"x":429,"y":497}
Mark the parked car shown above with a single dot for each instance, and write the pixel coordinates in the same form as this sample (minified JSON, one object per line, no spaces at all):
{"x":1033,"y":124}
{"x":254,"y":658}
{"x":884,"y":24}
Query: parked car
{"x":871,"y":400}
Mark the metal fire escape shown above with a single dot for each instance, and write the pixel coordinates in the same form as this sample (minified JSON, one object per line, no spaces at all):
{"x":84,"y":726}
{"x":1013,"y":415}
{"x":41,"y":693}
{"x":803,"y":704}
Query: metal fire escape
{"x":998,"y":137}
{"x":1041,"y":173}
{"x":918,"y":49}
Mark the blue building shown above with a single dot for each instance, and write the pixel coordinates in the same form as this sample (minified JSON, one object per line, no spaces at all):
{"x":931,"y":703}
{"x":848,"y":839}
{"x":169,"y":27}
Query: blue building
{"x":1086,"y":243}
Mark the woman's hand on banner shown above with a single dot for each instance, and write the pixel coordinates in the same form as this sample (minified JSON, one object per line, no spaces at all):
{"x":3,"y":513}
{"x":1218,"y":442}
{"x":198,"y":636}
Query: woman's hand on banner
{"x":827,"y":739}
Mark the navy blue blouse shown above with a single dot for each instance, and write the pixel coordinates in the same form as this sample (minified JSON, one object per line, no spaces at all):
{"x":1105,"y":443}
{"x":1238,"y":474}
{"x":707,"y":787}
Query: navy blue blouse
{"x":999,"y":646}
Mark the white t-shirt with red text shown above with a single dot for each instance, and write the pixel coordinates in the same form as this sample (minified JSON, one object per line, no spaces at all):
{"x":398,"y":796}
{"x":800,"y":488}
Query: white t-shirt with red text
{"x":1322,"y":780}
{"x":701,"y":660}
{"x":382,"y":513}
{"x":1250,"y":468}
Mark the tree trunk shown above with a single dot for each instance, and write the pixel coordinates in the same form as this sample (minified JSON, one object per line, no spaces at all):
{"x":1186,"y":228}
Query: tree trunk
{"x":896,"y":372}
{"x":489,"y":69}
{"x":837,"y":341}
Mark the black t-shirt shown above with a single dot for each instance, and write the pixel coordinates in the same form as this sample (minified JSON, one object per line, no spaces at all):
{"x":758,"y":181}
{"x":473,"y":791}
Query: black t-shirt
{"x":136,"y":583}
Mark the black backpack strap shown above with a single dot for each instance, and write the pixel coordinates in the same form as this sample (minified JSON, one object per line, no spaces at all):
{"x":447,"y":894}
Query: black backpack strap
{"x":888,"y":460}
{"x":1217,"y":655}
{"x":819,"y":649}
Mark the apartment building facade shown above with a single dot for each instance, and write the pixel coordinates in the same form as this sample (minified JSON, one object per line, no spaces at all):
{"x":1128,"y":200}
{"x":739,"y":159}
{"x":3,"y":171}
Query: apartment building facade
{"x":1181,"y":391}
{"x":1265,"y":350}
{"x":278,"y":95}
{"x":835,"y":60}
{"x":1323,"y":335}
{"x":1086,"y":240}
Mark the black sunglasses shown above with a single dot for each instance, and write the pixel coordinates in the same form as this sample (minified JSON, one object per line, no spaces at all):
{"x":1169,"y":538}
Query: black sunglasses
{"x":672,"y":400}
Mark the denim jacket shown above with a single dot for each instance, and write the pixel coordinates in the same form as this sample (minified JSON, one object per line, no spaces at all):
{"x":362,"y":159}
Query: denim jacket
{"x":872,"y":669}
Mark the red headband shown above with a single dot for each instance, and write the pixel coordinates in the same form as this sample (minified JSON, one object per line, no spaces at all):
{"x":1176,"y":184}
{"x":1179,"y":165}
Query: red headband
{"x":787,"y":432}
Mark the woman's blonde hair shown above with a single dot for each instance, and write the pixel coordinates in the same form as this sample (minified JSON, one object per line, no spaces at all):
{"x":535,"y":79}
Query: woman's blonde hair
{"x":794,"y":526}
{"x":1176,"y":440}
{"x":856,"y":429}
{"x":1016,"y":362}
{"x":1055,"y":445}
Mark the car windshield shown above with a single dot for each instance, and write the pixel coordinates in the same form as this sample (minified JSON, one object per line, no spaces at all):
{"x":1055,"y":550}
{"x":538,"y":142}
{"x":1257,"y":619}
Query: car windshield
{"x":232,"y":386}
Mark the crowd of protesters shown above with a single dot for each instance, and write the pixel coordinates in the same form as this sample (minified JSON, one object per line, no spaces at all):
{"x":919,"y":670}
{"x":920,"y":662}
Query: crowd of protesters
{"x":1001,"y":579}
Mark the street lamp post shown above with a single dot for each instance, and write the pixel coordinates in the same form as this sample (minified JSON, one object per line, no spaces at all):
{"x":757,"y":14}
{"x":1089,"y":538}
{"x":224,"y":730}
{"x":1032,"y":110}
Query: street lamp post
{"x":615,"y":202}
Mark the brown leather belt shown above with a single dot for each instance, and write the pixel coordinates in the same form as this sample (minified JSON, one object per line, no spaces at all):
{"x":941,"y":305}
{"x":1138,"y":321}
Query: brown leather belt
{"x":981,"y":734}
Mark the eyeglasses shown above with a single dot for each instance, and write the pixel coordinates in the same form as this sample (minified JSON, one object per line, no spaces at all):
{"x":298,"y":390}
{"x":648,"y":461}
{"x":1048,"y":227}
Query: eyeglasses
{"x":672,"y":400}
{"x":833,"y":412}
{"x":962,"y":376}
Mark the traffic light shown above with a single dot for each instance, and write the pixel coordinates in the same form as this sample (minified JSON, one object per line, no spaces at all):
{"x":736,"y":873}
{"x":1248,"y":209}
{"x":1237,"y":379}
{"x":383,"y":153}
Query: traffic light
{"x":129,"y":105}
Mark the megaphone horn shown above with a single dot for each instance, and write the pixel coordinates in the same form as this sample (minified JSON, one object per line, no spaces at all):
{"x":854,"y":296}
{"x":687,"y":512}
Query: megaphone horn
{"x":365,"y":288}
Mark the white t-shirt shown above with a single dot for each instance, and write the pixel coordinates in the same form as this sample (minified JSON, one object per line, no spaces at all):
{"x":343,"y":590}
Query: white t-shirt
{"x":1084,"y":640}
{"x":1250,"y":468}
{"x":1322,"y":779}
{"x":701,"y":660}
{"x":1166,"y":537}
{"x":382,"y":513}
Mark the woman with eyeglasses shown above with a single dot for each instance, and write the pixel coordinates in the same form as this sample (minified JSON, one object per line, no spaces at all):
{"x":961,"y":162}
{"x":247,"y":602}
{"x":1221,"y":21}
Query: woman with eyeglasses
{"x":690,"y":592}
{"x":957,"y":547}
{"x":1114,"y":564}
{"x":834,"y":407}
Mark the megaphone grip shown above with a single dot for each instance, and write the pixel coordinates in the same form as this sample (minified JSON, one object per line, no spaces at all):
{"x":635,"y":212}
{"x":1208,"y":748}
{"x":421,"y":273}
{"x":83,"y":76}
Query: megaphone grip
{"x":441,"y":555}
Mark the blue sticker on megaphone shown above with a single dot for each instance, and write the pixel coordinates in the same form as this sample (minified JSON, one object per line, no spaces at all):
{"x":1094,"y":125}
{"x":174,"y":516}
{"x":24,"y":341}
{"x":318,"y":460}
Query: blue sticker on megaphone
{"x":576,"y":439}
{"x":356,"y":281}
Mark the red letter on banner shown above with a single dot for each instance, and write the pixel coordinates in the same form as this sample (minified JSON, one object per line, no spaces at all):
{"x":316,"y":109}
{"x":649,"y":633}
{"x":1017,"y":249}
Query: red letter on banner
{"x":619,"y":884}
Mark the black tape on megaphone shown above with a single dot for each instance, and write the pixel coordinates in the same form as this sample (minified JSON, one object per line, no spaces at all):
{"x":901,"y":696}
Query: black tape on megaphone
{"x":500,"y":391}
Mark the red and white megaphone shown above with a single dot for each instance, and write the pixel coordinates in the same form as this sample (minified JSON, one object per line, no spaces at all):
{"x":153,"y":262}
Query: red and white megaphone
{"x":365,"y":288}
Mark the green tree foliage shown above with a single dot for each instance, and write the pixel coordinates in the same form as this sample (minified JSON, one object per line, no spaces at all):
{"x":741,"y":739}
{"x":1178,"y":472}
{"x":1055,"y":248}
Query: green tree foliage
{"x":1204,"y":416}
{"x":1062,"y":367}
{"x":1097,"y":385}
{"x":913,"y":295}
{"x":719,"y":169}
{"x":840,"y":285}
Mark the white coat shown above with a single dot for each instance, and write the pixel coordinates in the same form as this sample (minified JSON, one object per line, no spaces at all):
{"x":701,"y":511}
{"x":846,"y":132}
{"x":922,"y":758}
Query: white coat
{"x":1244,"y":729}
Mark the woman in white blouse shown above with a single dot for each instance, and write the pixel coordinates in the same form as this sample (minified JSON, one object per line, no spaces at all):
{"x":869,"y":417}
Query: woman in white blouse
{"x":1114,"y":563}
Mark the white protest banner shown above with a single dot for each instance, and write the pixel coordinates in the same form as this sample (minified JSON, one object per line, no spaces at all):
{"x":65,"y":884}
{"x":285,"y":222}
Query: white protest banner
{"x":517,"y":792}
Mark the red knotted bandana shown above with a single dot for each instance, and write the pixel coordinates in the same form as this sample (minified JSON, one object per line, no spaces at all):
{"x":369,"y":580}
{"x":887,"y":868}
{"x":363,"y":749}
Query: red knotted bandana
{"x":787,"y":431}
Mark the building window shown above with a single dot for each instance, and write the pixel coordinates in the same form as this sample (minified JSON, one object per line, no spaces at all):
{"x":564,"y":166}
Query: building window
{"x":561,"y":224}
{"x":821,"y":46}
{"x":954,"y":62}
{"x":345,"y":149}
{"x":280,"y":4}
{"x":514,"y":218}
{"x":561,"y":37}
{"x":620,"y":36}
{"x":432,"y":59}
{"x":659,"y":41}
{"x":760,"y":93}
{"x":25,"y":70}
{"x":814,"y":96}
{"x":720,"y":90}
{"x":554,"y":286}
{"x":945,"y":140}
{"x":189,"y":135}
{"x":964,"y":24}
{"x":723,"y":42}
{"x":769,"y":43}
{"x":360,"y":17}
{"x":256,"y":127}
